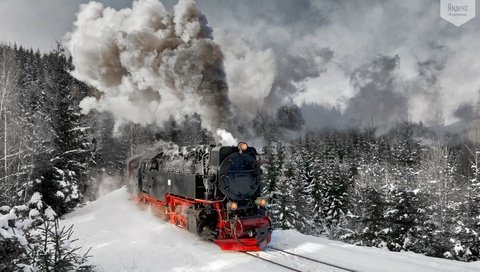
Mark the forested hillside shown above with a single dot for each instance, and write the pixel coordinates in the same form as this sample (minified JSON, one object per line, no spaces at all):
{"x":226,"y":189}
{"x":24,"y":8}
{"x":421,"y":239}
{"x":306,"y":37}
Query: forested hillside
{"x":49,"y":147}
{"x":46,"y":156}
{"x":382,"y":191}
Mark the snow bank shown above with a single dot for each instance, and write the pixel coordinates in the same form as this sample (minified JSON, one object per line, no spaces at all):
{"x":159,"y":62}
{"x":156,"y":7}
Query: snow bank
{"x":125,"y":238}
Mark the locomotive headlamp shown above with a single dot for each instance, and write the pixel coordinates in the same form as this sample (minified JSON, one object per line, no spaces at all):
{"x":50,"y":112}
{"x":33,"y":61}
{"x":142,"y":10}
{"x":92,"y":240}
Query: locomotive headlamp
{"x":242,"y":146}
{"x":260,"y":201}
{"x":231,"y":205}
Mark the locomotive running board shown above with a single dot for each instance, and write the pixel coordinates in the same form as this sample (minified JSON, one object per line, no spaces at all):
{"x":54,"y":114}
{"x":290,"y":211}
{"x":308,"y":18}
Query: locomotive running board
{"x":261,"y":225}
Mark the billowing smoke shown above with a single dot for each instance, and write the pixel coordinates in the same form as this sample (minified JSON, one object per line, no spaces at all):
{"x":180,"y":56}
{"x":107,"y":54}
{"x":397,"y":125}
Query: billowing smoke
{"x":226,"y":138}
{"x":320,"y":48}
{"x":250,"y":73}
{"x":379,"y":101}
{"x":150,"y":64}
{"x":342,"y":63}
{"x":465,"y":112}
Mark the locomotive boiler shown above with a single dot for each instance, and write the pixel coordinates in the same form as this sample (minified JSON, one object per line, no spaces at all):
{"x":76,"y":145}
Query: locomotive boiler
{"x":212,"y":191}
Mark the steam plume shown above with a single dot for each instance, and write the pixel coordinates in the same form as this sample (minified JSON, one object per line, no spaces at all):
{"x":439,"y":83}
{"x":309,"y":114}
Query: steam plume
{"x":226,"y":138}
{"x":150,"y":64}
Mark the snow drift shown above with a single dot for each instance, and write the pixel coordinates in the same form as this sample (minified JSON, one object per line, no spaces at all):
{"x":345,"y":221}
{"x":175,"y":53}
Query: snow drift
{"x":125,"y":238}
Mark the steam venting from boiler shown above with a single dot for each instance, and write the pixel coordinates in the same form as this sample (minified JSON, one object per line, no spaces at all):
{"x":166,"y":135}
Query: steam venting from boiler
{"x":226,"y":138}
{"x":149,"y":64}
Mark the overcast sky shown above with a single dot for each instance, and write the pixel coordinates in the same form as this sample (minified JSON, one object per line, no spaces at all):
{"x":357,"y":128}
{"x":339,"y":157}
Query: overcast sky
{"x":39,"y":23}
{"x":356,"y":60}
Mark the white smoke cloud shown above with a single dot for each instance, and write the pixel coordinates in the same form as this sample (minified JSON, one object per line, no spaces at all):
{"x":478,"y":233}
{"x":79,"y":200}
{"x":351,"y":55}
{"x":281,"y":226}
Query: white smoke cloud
{"x":258,"y":39}
{"x":226,"y":138}
{"x":357,"y":32}
{"x":331,"y":89}
{"x":250,"y":72}
{"x":275,"y":53}
{"x":149,"y":63}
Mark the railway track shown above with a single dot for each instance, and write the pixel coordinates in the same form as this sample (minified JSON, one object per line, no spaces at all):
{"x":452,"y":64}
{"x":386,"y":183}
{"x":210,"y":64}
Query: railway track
{"x":293,"y":264}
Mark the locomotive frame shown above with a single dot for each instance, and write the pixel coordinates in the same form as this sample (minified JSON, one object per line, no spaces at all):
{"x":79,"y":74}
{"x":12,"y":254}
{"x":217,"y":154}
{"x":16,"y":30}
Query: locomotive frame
{"x":213,"y":192}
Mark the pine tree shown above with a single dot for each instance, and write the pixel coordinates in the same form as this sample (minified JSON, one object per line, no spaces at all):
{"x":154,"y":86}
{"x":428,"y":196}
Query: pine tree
{"x":366,"y":200}
{"x":323,"y":175}
{"x":401,"y":213}
{"x":108,"y":152}
{"x":303,"y":161}
{"x":275,"y":158}
{"x":334,"y":181}
{"x":9,"y":74}
{"x":441,"y":201}
{"x":406,"y":157}
{"x":282,"y":208}
{"x":336,"y":197}
{"x":269,"y":171}
{"x":373,"y":223}
{"x":33,"y":240}
{"x":464,"y":211}
{"x":472,"y":220}
{"x":403,"y":218}
{"x":63,"y":178}
{"x":54,"y":251}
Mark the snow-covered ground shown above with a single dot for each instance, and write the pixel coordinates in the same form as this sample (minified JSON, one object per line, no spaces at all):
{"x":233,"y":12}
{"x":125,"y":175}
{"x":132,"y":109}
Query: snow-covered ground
{"x":125,"y":238}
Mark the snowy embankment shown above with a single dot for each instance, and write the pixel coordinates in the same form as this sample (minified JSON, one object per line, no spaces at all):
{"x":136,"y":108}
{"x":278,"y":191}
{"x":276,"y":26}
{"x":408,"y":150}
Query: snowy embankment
{"x":125,"y":238}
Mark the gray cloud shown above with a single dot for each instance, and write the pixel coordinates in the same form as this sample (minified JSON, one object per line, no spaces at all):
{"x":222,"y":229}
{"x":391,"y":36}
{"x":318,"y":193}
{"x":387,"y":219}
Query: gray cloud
{"x":321,"y":53}
{"x":435,"y":70}
{"x":35,"y":24}
{"x":150,"y":63}
{"x":465,"y":112}
{"x":378,"y":99}
{"x":38,"y":24}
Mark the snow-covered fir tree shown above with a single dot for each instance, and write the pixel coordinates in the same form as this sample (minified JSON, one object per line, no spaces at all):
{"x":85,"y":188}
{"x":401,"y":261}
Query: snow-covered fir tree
{"x":45,"y":149}
{"x":62,"y":181}
{"x":303,"y":159}
{"x":283,"y":207}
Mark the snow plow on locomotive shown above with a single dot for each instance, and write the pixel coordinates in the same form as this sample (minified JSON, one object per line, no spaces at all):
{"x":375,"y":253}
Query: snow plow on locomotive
{"x":213,"y":192}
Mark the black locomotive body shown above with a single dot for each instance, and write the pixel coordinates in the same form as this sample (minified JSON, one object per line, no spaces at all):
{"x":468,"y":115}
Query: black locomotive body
{"x":212,"y":191}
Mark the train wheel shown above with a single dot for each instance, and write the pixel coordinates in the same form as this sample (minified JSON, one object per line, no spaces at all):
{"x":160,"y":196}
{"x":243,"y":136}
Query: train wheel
{"x":142,"y":204}
{"x":164,"y":214}
{"x":160,"y":211}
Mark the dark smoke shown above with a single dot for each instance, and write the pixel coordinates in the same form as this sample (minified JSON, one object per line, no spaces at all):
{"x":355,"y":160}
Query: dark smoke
{"x":378,"y":103}
{"x":343,"y":63}
{"x":465,"y":112}
{"x":150,"y":63}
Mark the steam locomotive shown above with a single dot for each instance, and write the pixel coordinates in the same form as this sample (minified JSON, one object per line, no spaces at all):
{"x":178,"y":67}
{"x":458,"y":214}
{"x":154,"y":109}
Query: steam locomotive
{"x":212,"y":191}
